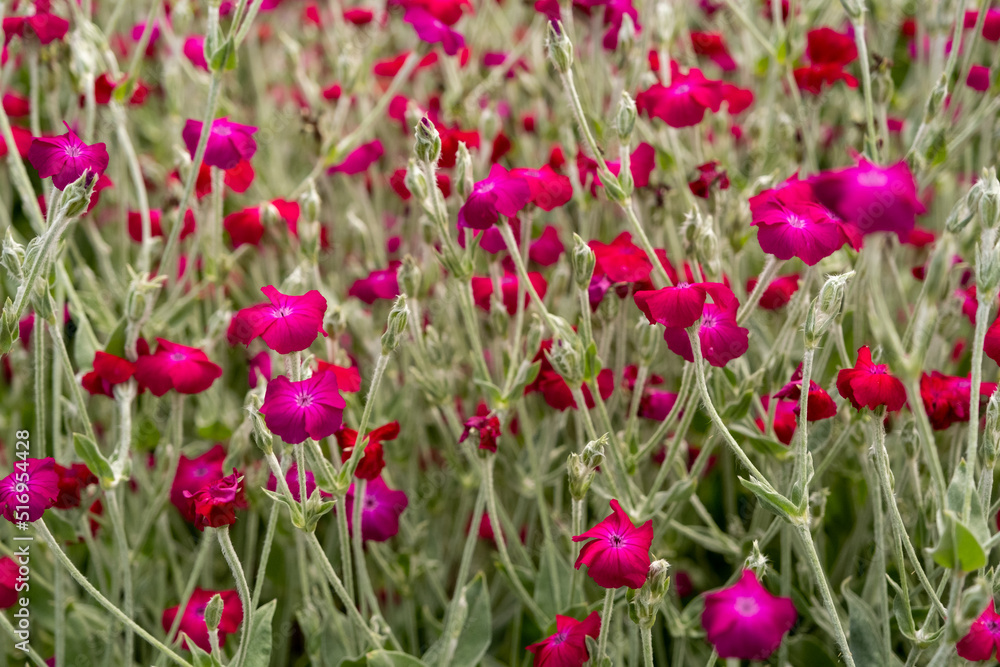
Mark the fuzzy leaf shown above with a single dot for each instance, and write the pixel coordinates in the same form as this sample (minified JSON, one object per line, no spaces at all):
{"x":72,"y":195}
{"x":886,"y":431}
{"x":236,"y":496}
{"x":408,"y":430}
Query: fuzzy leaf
{"x":259,"y":641}
{"x":89,"y":452}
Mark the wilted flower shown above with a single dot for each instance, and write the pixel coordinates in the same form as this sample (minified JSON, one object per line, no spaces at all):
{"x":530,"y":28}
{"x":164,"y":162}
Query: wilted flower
{"x":372,"y":461}
{"x":487,"y":428}
{"x":215,"y":505}
{"x":72,"y":481}
{"x":947,"y":399}
{"x":193,"y":475}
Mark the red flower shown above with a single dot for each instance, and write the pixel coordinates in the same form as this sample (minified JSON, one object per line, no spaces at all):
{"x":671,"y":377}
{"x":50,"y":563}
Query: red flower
{"x":348,"y":377}
{"x":215,"y":505}
{"x":712,"y":45}
{"x":482,"y":290}
{"x":983,"y":637}
{"x":9,"y":575}
{"x":819,"y":404}
{"x":991,"y":345}
{"x":618,"y":553}
{"x":372,"y":462}
{"x":109,"y":371}
{"x":621,"y":260}
{"x":568,"y":646}
{"x":193,"y":621}
{"x":784,"y":423}
{"x":947,"y":399}
{"x":554,"y":389}
{"x":870,"y":385}
{"x":193,"y":475}
{"x":778,"y":293}
{"x":184,"y":369}
{"x":155,"y":228}
{"x":488,"y":429}
{"x":709,"y":174}
{"x":72,"y":481}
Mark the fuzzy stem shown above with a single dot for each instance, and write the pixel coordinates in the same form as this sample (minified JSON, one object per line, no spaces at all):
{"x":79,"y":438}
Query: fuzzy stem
{"x":986,"y":298}
{"x":647,"y":645}
{"x":64,"y":560}
{"x":38,"y":359}
{"x":871,"y":139}
{"x":362,"y":439}
{"x":124,"y":563}
{"x":226,"y":543}
{"x":802,"y":528}
{"x":602,"y":640}
{"x":450,"y":632}
{"x":265,"y":553}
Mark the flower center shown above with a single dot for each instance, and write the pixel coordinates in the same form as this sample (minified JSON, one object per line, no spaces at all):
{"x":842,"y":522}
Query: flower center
{"x":559,"y":637}
{"x":795,"y":221}
{"x":708,"y":321}
{"x":303,"y":400}
{"x":283,"y":311}
{"x":178,"y":356}
{"x":872,"y":179}
{"x":746,"y":606}
{"x":73,"y":150}
{"x":682,"y":89}
{"x":617,"y":541}
{"x":992,"y":626}
{"x":370,"y":503}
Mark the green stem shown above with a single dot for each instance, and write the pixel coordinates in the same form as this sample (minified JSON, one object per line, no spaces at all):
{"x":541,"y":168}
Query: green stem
{"x":577,"y":510}
{"x":647,"y":645}
{"x":226,"y":543}
{"x":64,"y":560}
{"x":986,"y":298}
{"x":124,"y":564}
{"x":450,"y":632}
{"x":366,"y":595}
{"x":763,"y":280}
{"x":802,"y":528}
{"x":265,"y":553}
{"x":602,"y":639}
{"x":189,"y":586}
{"x":362,"y":439}
{"x":866,"y":84}
{"x":491,"y":502}
{"x":38,"y":359}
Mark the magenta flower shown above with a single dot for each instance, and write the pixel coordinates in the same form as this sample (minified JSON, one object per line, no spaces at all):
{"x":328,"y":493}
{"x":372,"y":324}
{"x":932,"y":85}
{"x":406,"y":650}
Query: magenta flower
{"x":683,"y":103}
{"x":872,"y":198}
{"x":488,"y":429}
{"x":193,"y":620}
{"x":31,"y":489}
{"x":228,"y":142}
{"x":433,"y":30}
{"x":614,"y":15}
{"x":287,"y":324}
{"x":311,"y":408}
{"x":501,"y":193}
{"x":548,"y":189}
{"x":983,"y":637}
{"x":184,"y":369}
{"x":568,"y":646}
{"x":194,"y":50}
{"x":66,"y":158}
{"x":679,"y":307}
{"x":193,"y":475}
{"x":721,"y":338}
{"x":47,"y":26}
{"x":791,"y":224}
{"x":380,"y":514}
{"x":979,"y":78}
{"x":546,"y":249}
{"x":358,"y":160}
{"x":259,"y":369}
{"x":380,"y":284}
{"x":745,"y":621}
{"x":215,"y":505}
{"x":482,"y":290}
{"x":712,"y":45}
{"x":618,"y":553}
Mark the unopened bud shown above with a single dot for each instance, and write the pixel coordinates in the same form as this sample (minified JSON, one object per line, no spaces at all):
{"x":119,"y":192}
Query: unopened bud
{"x":567,"y":360}
{"x":826,"y":307}
{"x":706,"y":247}
{"x":665,"y":21}
{"x":489,"y":124}
{"x":535,"y":333}
{"x":396,"y":325}
{"x":987,"y":263}
{"x":76,"y":196}
{"x":645,"y":601}
{"x":910,"y":438}
{"x":756,"y":561}
{"x":649,"y":341}
{"x":463,"y":171}
{"x":428,"y":144}
{"x":560,"y":48}
{"x":613,"y":187}
{"x":989,"y":202}
{"x":262,"y":436}
{"x":213,"y":613}
{"x":626,"y":35}
{"x":991,"y":437}
{"x":409,"y":277}
{"x":625,"y":120}
{"x":415,"y":180}
{"x":310,"y":203}
{"x":582,"y":467}
{"x":12,"y":256}
{"x":593,"y":452}
{"x":583,"y":260}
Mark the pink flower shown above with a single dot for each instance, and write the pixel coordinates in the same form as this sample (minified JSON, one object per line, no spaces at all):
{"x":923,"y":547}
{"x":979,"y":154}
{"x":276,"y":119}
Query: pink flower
{"x":872,"y":198}
{"x":547,"y":188}
{"x":745,"y":621}
{"x":546,"y":249}
{"x":614,"y":14}
{"x":618,"y":552}
{"x":311,"y":408}
{"x":228,"y":142}
{"x":193,"y":620}
{"x":983,"y":637}
{"x":287,"y":324}
{"x":380,"y":284}
{"x":194,"y":50}
{"x":47,"y":26}
{"x":9,"y":573}
{"x":501,"y":193}
{"x":656,"y":404}
{"x":791,"y":224}
{"x":358,"y":160}
{"x":869,"y":385}
{"x":482,"y":290}
{"x":66,"y":158}
{"x":193,"y":475}
{"x":260,"y":369}
{"x":683,"y":103}
{"x":184,"y":369}
{"x":979,"y":78}
{"x":433,"y":30}
{"x":721,"y":338}
{"x":34,"y":485}
{"x":568,"y":646}
{"x":215,"y":505}
{"x":380,"y":513}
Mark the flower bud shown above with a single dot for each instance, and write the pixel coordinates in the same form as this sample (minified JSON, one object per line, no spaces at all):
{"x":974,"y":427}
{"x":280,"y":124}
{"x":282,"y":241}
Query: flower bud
{"x":463,"y":171}
{"x":650,"y":336}
{"x":582,"y":467}
{"x":625,"y":120}
{"x":583,"y":260}
{"x":535,"y":333}
{"x":826,"y":307}
{"x":261,"y":434}
{"x":213,"y":613}
{"x":310,"y":203}
{"x":560,"y":48}
{"x":665,"y":21}
{"x":415,"y":180}
{"x":706,"y":245}
{"x":992,"y":434}
{"x":987,"y":263}
{"x":645,"y":601}
{"x":409,"y":277}
{"x":854,"y":10}
{"x":428,"y":144}
{"x":567,"y":360}
{"x":12,"y":256}
{"x":936,"y":99}
{"x":395,"y":326}
{"x":76,"y":196}
{"x":989,"y":202}
{"x":756,"y":561}
{"x":910,"y":438}
{"x":626,"y":36}
{"x":593,"y":452}
{"x":612,"y":187}
{"x":489,"y":124}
